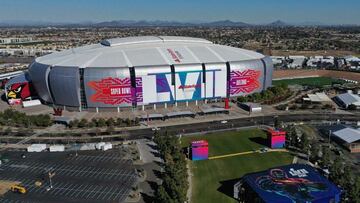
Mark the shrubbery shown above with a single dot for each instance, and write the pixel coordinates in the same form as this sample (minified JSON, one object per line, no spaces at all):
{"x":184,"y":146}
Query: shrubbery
{"x":101,"y":122}
{"x":269,"y":96}
{"x":11,"y":117}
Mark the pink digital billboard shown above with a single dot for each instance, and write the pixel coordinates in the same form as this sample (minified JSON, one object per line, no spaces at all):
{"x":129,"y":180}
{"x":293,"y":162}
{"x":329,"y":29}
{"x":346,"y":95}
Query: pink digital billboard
{"x":199,"y":150}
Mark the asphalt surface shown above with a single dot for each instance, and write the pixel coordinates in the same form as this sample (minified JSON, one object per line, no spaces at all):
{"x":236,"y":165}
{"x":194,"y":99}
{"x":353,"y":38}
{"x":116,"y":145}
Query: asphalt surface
{"x":90,"y":177}
{"x":241,"y":122}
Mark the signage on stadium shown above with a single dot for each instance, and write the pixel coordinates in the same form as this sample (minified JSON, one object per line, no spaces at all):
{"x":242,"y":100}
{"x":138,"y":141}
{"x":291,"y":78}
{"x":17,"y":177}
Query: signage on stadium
{"x":245,"y":81}
{"x":116,"y":91}
{"x":120,"y":91}
{"x":189,"y":86}
{"x":175,"y":55}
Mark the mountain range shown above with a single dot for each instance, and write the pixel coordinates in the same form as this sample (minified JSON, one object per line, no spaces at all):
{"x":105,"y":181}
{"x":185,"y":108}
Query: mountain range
{"x":156,"y":23}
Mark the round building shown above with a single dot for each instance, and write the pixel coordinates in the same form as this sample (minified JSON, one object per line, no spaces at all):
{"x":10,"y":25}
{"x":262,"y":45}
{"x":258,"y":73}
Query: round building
{"x":137,"y":71}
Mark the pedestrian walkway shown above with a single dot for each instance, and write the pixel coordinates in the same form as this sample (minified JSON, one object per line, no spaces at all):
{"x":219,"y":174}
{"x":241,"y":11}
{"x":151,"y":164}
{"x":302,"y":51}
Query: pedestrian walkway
{"x":243,"y":153}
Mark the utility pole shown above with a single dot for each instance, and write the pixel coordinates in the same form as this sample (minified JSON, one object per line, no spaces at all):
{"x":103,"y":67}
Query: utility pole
{"x":51,"y":174}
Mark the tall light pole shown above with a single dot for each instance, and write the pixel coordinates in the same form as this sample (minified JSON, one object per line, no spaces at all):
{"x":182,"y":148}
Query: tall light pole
{"x":50,"y":174}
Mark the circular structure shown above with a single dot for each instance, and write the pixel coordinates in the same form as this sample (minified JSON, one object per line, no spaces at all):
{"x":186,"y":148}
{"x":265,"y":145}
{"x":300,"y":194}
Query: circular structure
{"x":133,"y":71}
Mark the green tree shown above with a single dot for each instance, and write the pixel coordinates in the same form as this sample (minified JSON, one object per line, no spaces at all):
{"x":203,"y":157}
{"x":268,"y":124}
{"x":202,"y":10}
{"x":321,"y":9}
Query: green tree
{"x":326,"y":157}
{"x":101,"y":122}
{"x":83,"y":123}
{"x":128,"y":122}
{"x":352,"y":107}
{"x":304,"y":143}
{"x":162,"y":196}
{"x":74,"y":123}
{"x":314,"y":151}
{"x":119,"y":121}
{"x":354,"y":192}
{"x":336,"y":170}
{"x":110,"y":122}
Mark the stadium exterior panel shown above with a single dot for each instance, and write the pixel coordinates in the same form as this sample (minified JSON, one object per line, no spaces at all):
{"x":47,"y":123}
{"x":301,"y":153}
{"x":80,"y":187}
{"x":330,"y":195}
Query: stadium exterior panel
{"x":128,"y":72}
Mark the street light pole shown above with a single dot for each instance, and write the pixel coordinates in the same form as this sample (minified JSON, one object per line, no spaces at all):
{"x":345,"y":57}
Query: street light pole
{"x":50,"y":180}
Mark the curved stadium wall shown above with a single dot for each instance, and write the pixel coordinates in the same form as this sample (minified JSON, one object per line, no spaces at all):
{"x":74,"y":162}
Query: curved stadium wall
{"x":92,"y":85}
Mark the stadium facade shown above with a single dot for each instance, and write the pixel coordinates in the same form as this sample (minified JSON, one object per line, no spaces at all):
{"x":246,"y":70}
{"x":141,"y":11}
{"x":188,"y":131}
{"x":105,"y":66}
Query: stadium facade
{"x":134,"y":71}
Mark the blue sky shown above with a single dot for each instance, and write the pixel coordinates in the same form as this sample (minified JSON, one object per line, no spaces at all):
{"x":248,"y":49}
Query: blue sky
{"x":251,"y":11}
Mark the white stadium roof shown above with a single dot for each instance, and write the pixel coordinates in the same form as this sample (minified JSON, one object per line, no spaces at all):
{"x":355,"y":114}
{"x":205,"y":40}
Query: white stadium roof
{"x":147,"y":51}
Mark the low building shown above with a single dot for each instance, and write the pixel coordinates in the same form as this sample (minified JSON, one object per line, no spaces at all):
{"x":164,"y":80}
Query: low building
{"x":290,"y":183}
{"x":251,"y":107}
{"x":319,"y":97}
{"x":297,"y":61}
{"x":347,"y":99}
{"x":277,"y":60}
{"x":344,"y":135}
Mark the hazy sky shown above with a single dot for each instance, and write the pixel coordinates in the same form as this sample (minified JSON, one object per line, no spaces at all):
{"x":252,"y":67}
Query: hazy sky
{"x":250,"y":11}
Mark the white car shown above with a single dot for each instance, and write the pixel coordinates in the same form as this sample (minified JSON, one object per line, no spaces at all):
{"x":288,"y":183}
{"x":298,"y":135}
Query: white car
{"x":155,"y":129}
{"x":223,"y":122}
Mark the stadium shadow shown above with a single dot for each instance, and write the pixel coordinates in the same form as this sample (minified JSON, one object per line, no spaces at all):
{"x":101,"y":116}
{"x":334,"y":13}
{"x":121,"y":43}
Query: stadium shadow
{"x":259,"y":140}
{"x":227,"y":187}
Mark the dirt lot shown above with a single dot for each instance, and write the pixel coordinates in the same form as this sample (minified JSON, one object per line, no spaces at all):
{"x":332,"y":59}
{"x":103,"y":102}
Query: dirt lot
{"x":312,"y":53}
{"x":319,"y":73}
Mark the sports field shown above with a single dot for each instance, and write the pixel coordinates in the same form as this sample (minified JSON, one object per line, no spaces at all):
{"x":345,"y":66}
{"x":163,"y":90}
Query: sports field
{"x":212,"y":180}
{"x":312,"y":81}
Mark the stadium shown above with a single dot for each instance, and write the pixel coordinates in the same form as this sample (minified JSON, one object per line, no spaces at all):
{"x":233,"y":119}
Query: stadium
{"x":138,"y":71}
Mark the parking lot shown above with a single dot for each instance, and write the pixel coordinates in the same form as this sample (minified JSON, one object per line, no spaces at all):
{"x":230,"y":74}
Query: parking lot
{"x":86,"y":177}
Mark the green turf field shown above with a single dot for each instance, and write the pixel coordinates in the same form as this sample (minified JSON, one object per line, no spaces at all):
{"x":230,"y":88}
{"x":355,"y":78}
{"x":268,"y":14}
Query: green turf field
{"x":208,"y":175}
{"x":314,"y":81}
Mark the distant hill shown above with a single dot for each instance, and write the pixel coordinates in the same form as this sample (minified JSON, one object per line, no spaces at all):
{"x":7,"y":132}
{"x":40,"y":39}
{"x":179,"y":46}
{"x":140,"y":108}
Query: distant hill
{"x":144,"y":23}
{"x":278,"y":23}
{"x":156,"y":23}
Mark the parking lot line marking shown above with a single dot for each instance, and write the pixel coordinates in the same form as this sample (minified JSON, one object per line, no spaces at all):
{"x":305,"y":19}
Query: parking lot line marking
{"x":92,"y":191}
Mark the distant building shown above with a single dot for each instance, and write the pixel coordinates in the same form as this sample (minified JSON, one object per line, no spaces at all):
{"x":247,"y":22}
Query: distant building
{"x":352,"y":62}
{"x":346,"y":136}
{"x":277,"y":60}
{"x":347,"y":99}
{"x":297,"y":61}
{"x":15,"y":40}
{"x":290,"y":183}
{"x":319,"y":97}
{"x":320,"y":61}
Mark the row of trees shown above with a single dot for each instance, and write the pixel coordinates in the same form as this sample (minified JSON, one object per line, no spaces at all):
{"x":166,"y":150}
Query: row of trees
{"x":341,"y":172}
{"x":10,"y":117}
{"x":305,"y":106}
{"x":269,"y":96}
{"x":175,"y":185}
{"x":101,"y":122}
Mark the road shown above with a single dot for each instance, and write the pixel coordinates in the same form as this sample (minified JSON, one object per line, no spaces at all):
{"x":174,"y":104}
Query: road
{"x":242,"y":122}
{"x":202,"y":127}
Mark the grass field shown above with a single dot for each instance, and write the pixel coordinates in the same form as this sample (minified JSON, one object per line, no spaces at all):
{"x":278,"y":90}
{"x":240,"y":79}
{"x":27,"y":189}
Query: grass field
{"x":313,"y":81}
{"x":213,"y":179}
